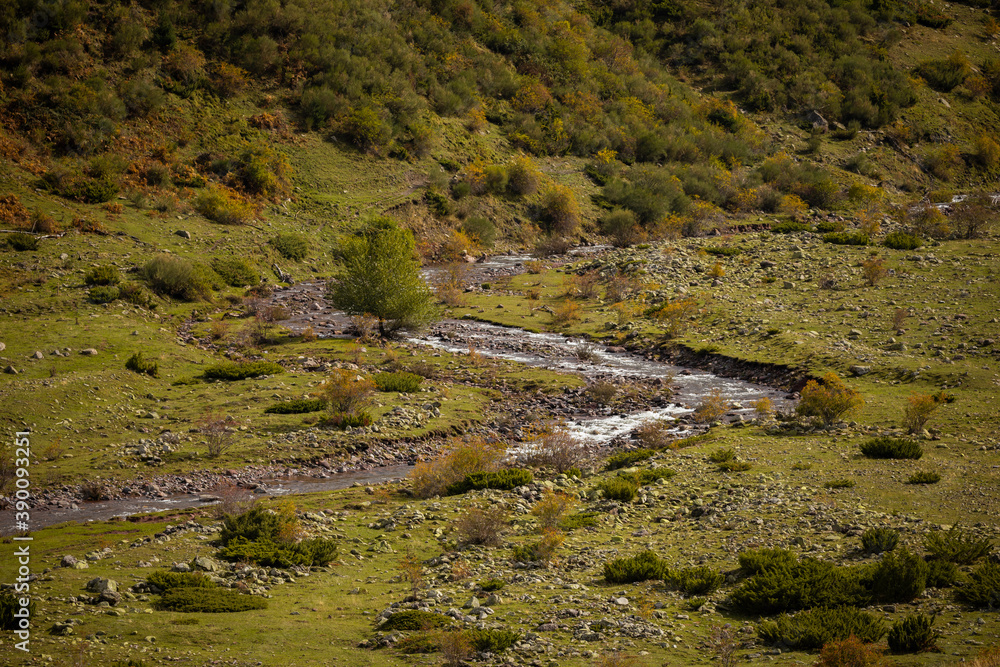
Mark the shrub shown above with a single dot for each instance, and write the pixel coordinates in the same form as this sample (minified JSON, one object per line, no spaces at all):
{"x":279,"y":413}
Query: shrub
{"x":582,"y":520}
{"x":10,"y":603}
{"x":296,"y":406}
{"x":941,"y":574}
{"x":643,"y":566}
{"x":556,"y":448}
{"x":924,"y":478}
{"x":756,"y":561}
{"x":414,"y":619}
{"x":901,"y":241}
{"x":541,"y":551}
{"x":21,"y":242}
{"x":552,"y":508}
{"x":899,"y":576}
{"x":675,"y":316}
{"x":879,"y":540}
{"x":168,"y":581}
{"x":267,"y":552}
{"x":712,"y":407}
{"x":177,"y":277}
{"x":232,"y":370}
{"x":885,"y":447}
{"x":957,"y":546}
{"x":105,"y":294}
{"x":345,"y":392}
{"x":404,"y":383}
{"x":722,"y":455}
{"x":627,"y":459}
{"x":873,"y":270}
{"x":850,"y":652}
{"x":812,"y":629}
{"x":789,"y":227}
{"x":235,"y":271}
{"x":209,"y":600}
{"x":419,"y":643}
{"x":619,"y":488}
{"x":655,"y":434}
{"x":701,"y":580}
{"x":137,"y":364}
{"x":806,"y":584}
{"x":828,"y":400}
{"x":523,"y":177}
{"x":482,"y":230}
{"x":621,"y":226}
{"x":255,"y":524}
{"x":560,"y":211}
{"x":291,"y":246}
{"x":135,"y":294}
{"x":482,"y":525}
{"x":490,"y":585}
{"x":842,"y":483}
{"x":103,"y":275}
{"x":982,"y":590}
{"x":504,"y":480}
{"x":913,"y":634}
{"x":847,"y":238}
{"x":918,"y":411}
{"x":432,"y":477}
{"x":493,"y":641}
{"x":223,"y":206}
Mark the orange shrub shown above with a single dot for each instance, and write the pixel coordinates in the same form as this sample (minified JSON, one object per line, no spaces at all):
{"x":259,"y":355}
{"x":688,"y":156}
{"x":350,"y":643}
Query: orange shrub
{"x":462,"y":458}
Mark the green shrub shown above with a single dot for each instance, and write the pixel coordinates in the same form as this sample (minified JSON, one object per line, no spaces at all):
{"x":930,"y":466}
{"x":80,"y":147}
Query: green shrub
{"x":489,"y":585}
{"x":10,"y":604}
{"x":756,"y":561}
{"x":722,"y":455}
{"x":103,"y":294}
{"x":269,"y":553}
{"x":418,"y":643}
{"x":826,"y":227}
{"x":626,"y":459}
{"x":892,"y":448}
{"x":942,"y":75}
{"x":415,"y":619}
{"x":91,"y":190}
{"x":957,"y":546}
{"x":404,"y":383}
{"x":879,"y":540}
{"x":221,"y":206}
{"x":135,"y":294}
{"x":232,"y":370}
{"x":723,"y":251}
{"x":899,"y":576}
{"x":941,"y":573}
{"x":504,"y":480}
{"x":480,"y":229}
{"x":103,"y":275}
{"x":806,"y":584}
{"x":809,"y":630}
{"x":643,"y":566}
{"x":901,"y":241}
{"x":178,"y":277}
{"x":924,"y":478}
{"x":839,"y":484}
{"x":789,"y":227}
{"x":734,"y":466}
{"x":137,"y":364}
{"x":493,"y":641}
{"x":21,"y":242}
{"x":235,"y":271}
{"x":209,"y":600}
{"x":583,"y":520}
{"x":913,"y":634}
{"x":356,"y":419}
{"x":648,"y":476}
{"x":619,"y":488}
{"x":256,"y":524}
{"x":168,"y":581}
{"x":982,"y":590}
{"x":291,"y":246}
{"x":847,"y":238}
{"x":701,"y":580}
{"x":297,"y":406}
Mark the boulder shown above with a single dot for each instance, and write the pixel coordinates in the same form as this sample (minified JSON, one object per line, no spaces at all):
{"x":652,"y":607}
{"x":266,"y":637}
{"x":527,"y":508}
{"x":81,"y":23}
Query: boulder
{"x":68,"y":561}
{"x":100,"y":585}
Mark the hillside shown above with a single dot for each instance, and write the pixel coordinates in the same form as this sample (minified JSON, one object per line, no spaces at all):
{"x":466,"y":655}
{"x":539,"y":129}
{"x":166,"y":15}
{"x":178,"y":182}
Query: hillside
{"x":771,"y":191}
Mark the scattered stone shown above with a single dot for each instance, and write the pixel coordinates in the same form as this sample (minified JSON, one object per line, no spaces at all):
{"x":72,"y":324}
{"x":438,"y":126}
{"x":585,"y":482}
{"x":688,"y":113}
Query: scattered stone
{"x":68,"y":561}
{"x":858,"y":371}
{"x":89,"y":352}
{"x":38,"y":355}
{"x":184,"y":234}
{"x":10,"y":370}
{"x":100,"y":585}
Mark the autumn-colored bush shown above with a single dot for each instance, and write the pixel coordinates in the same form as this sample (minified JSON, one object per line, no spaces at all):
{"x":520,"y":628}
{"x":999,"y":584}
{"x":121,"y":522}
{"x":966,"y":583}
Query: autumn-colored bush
{"x":560,"y":212}
{"x":345,"y":391}
{"x":918,"y":411}
{"x":675,"y":316}
{"x":461,"y":459}
{"x":829,"y":399}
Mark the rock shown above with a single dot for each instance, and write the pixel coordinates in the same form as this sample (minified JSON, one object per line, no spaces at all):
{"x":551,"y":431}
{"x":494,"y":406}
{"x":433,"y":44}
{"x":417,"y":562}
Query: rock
{"x":858,"y":371}
{"x":68,"y":561}
{"x":898,"y":347}
{"x":180,"y":567}
{"x":38,"y":355}
{"x":183,"y":233}
{"x":473,"y":603}
{"x":621,"y":602}
{"x":816,"y":119}
{"x":10,"y":370}
{"x":205,"y":564}
{"x":111,"y":597}
{"x":89,"y":352}
{"x":80,"y":565}
{"x":788,"y":285}
{"x":766,"y":264}
{"x":100,"y":585}
{"x":2,"y":347}
{"x":61,"y":629}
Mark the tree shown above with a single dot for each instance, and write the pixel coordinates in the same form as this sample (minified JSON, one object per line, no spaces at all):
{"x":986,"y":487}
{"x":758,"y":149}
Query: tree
{"x":380,"y":276}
